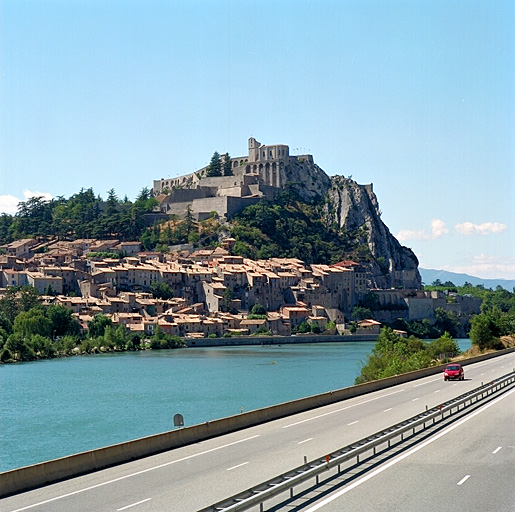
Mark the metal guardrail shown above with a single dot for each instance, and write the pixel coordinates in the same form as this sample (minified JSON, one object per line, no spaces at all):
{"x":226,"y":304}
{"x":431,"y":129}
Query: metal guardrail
{"x":287,"y":481}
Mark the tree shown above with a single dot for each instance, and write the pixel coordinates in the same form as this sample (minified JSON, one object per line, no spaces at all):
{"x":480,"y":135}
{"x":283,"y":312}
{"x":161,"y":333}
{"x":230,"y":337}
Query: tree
{"x":227,"y":165}
{"x":97,"y":326}
{"x":361,"y":313}
{"x":32,"y":322}
{"x":63,"y":322}
{"x":258,"y":309}
{"x":447,"y":321}
{"x":215,"y":167}
{"x":481,"y":332}
{"x":161,"y":291}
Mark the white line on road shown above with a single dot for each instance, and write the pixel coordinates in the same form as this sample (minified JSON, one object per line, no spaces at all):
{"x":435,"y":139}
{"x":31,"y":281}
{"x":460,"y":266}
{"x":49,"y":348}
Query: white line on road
{"x":336,"y":495}
{"x":386,"y":410}
{"x":352,"y":423}
{"x":437,"y":391}
{"x":305,"y":440}
{"x":133,"y":505}
{"x":133,"y":474}
{"x":238,"y":466}
{"x":415,"y":399}
{"x":497,"y":449}
{"x":424,"y":383}
{"x":463,"y":480}
{"x":342,"y":409}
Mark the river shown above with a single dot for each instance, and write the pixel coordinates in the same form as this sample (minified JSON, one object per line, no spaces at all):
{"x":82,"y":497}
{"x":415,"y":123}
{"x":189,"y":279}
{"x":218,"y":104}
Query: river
{"x":57,"y":407}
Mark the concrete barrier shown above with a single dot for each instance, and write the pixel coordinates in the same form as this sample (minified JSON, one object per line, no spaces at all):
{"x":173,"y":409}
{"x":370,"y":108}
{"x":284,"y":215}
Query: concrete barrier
{"x":37,"y":475}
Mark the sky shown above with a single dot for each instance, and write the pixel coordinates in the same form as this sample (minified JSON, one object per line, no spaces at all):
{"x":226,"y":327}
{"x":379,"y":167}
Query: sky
{"x":414,"y":96}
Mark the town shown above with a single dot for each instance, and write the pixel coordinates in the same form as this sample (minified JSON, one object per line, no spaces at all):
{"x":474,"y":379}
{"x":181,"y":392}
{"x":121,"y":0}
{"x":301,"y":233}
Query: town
{"x":210,"y":292}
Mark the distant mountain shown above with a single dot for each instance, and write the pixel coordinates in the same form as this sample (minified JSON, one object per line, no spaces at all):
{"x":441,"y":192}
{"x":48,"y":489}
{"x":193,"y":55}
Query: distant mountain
{"x":430,"y":275}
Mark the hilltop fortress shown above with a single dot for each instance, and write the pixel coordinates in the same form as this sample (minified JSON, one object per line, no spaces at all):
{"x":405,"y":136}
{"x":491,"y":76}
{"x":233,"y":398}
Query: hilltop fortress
{"x":260,"y":174}
{"x":264,"y":173}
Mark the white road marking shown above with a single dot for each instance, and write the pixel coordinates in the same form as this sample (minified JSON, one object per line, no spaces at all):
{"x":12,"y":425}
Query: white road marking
{"x":386,"y":410}
{"x":424,"y":383}
{"x":305,"y":441}
{"x":133,"y":474}
{"x":482,"y":374}
{"x":406,"y":454}
{"x":349,"y":424}
{"x":133,"y":505}
{"x":415,"y":399}
{"x":463,"y":480}
{"x":238,"y":466}
{"x":437,"y":391}
{"x":497,"y":449}
{"x":342,"y":409}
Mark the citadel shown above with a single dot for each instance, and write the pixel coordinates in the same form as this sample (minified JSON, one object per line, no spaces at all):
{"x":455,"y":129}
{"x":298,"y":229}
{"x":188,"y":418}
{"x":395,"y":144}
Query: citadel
{"x":260,"y":174}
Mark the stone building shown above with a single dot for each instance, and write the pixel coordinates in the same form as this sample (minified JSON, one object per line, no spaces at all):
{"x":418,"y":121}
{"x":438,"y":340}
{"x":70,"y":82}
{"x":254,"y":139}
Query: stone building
{"x":261,"y":173}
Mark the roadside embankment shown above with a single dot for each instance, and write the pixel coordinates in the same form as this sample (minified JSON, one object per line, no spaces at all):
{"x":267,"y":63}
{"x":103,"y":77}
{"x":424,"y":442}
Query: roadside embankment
{"x":44,"y":473}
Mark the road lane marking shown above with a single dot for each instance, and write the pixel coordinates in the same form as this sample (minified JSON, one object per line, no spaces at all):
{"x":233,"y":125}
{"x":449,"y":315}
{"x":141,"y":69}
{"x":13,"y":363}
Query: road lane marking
{"x":73,"y":493}
{"x":463,"y":480}
{"x":415,"y":399}
{"x":352,"y":423}
{"x":238,"y":466}
{"x":386,"y":410}
{"x":497,"y":449}
{"x":342,"y":409}
{"x":424,"y":383}
{"x":438,"y":391}
{"x":305,"y":441}
{"x":133,"y":505}
{"x":340,"y":493}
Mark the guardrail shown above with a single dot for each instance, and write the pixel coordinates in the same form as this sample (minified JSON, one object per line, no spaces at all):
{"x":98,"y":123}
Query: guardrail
{"x":259,"y":494}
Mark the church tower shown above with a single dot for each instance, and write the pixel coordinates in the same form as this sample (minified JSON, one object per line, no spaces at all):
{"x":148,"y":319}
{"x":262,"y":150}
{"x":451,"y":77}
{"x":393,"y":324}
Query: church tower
{"x":254,"y":146}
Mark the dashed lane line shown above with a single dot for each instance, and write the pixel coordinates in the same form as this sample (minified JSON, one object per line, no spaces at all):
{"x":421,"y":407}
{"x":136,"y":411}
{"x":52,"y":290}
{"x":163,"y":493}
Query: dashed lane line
{"x":342,"y":409}
{"x":388,"y":465}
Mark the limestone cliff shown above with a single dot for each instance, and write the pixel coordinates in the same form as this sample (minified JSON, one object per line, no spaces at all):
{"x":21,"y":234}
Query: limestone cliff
{"x":355,"y":208}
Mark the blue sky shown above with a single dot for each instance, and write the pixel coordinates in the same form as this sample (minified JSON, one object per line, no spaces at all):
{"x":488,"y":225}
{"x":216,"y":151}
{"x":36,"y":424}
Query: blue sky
{"x":414,"y":96}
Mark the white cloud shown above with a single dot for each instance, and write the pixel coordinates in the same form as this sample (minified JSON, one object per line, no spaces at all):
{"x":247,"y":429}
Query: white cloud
{"x":9,"y":203}
{"x":406,"y":234}
{"x":28,"y":194}
{"x":487,"y":267}
{"x":470,"y":229}
{"x":438,"y":229}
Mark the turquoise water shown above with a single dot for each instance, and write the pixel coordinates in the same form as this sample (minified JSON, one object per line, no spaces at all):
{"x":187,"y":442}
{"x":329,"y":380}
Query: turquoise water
{"x":53,"y":408}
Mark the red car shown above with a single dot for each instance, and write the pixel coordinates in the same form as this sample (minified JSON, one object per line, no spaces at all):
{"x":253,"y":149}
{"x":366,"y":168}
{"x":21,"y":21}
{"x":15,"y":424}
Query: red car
{"x":453,"y":371}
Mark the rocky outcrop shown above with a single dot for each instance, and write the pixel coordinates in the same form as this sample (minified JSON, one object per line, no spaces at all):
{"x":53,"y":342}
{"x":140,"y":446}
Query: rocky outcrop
{"x":355,"y":209}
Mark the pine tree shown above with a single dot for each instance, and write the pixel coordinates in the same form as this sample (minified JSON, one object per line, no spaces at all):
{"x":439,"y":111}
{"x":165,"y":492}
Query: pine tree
{"x":215,"y":166}
{"x":227,"y":165}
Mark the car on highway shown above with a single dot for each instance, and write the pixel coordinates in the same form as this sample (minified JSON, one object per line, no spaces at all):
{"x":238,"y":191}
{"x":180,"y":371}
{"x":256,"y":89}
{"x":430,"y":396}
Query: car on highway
{"x":453,"y":371}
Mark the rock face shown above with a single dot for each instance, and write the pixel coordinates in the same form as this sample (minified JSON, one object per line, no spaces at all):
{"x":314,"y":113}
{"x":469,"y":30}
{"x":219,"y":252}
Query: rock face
{"x":355,"y":208}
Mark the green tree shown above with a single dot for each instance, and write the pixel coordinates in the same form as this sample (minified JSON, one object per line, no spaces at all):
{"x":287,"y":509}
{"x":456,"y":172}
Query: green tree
{"x":97,"y":326}
{"x":258,"y":309}
{"x":481,"y":332}
{"x":361,"y":313}
{"x":215,"y":166}
{"x":32,"y":322}
{"x":444,"y":346}
{"x":227,"y":168}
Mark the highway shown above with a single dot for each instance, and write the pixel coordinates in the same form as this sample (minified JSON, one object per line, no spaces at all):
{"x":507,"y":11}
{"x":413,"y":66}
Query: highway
{"x":195,"y":476}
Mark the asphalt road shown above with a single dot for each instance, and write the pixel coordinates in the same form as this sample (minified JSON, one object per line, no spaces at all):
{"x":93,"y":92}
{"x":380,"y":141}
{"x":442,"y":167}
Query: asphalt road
{"x":195,"y":476}
{"x":469,"y":466}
